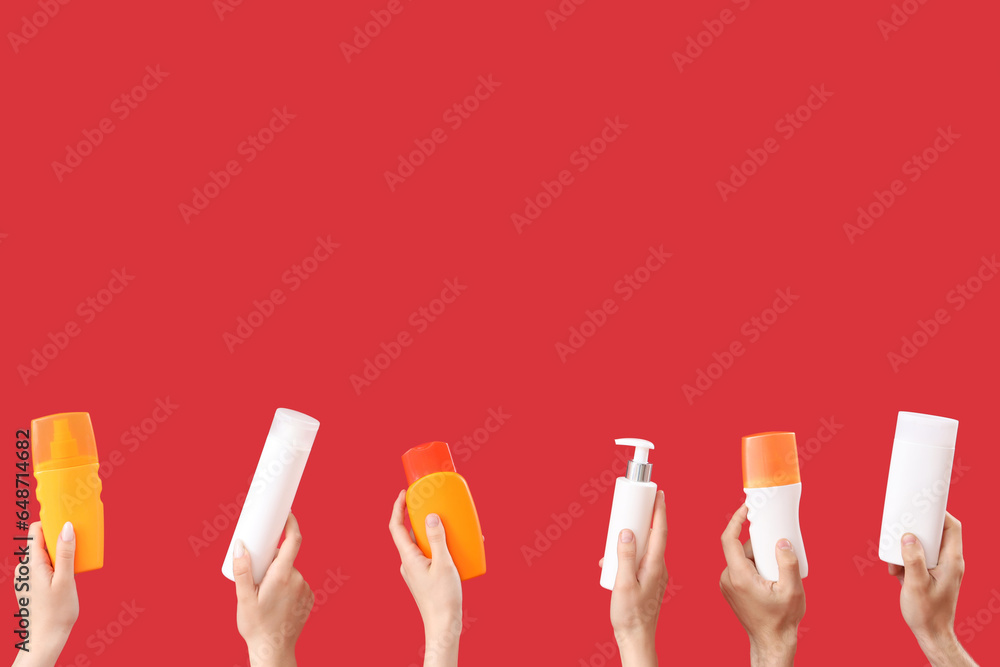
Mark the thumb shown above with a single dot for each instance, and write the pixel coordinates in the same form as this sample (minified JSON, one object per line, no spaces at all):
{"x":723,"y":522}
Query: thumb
{"x":788,"y":564}
{"x":913,"y":560}
{"x":437,"y":539}
{"x":626,"y":559}
{"x":65,"y":555}
{"x":243,"y":574}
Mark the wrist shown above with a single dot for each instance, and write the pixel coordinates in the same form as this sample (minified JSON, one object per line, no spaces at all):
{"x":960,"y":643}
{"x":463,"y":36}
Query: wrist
{"x":266,"y":655}
{"x":441,"y":637}
{"x":773,"y":653}
{"x":637,"y":648}
{"x":941,"y":649}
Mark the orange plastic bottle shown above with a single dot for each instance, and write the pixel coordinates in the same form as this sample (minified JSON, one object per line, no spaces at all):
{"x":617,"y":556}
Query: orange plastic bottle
{"x":68,"y":486}
{"x":435,"y":488}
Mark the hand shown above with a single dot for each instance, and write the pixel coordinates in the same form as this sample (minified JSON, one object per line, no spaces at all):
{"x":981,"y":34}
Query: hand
{"x":769,"y":611}
{"x":929,"y":597}
{"x":52,"y":600}
{"x":270,"y":616}
{"x":434,"y":584}
{"x":638,"y":591}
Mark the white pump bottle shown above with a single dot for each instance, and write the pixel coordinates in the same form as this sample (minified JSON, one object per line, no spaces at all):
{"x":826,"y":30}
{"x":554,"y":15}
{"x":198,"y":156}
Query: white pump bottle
{"x":272,"y":490}
{"x":631,"y":508}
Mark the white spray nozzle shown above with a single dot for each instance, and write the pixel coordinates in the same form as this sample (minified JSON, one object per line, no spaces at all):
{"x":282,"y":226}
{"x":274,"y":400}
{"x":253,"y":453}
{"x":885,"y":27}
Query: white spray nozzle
{"x":642,"y":448}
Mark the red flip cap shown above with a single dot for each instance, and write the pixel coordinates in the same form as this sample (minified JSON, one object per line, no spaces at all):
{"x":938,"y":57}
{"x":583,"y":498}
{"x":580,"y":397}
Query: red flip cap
{"x":427,"y":458}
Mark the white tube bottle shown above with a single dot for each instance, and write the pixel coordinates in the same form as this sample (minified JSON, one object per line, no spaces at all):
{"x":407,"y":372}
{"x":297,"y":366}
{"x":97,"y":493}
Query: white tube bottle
{"x":916,"y":494}
{"x":631,"y":508}
{"x":272,"y":490}
{"x":773,"y":487}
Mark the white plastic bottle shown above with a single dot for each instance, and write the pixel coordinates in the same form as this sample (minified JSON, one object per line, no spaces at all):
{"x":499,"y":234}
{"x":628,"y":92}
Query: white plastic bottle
{"x":916,"y":494}
{"x":272,"y":490}
{"x":773,"y":487}
{"x":631,"y":508}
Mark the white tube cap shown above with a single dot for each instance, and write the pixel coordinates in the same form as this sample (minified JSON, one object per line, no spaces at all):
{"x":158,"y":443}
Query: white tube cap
{"x":296,"y":428}
{"x":931,"y":430}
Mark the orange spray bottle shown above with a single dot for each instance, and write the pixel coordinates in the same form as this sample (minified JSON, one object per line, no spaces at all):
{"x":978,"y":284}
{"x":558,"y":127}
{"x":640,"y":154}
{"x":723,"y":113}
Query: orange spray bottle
{"x":435,"y":488}
{"x":68,"y":486}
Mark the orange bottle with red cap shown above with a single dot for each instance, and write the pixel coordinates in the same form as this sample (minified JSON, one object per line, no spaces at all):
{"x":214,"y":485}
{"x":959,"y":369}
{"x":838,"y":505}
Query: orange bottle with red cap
{"x":435,"y":488}
{"x":68,"y":486}
{"x":773,"y":487}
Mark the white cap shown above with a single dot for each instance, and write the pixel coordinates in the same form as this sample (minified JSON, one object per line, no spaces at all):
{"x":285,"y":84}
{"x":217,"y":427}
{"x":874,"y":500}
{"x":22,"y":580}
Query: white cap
{"x":642,"y":448}
{"x":921,"y":429}
{"x":296,"y":428}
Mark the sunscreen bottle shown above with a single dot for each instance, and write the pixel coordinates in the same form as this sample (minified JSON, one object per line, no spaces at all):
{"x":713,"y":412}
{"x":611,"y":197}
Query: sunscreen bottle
{"x":632,"y":508}
{"x":771,"y":482}
{"x":916,"y":494}
{"x":68,"y":486}
{"x":435,"y":488}
{"x":272,"y":490}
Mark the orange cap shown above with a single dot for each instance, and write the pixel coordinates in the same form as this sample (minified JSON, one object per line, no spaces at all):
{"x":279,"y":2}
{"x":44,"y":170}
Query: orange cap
{"x":770,"y":459}
{"x":63,"y":441}
{"x":427,"y":458}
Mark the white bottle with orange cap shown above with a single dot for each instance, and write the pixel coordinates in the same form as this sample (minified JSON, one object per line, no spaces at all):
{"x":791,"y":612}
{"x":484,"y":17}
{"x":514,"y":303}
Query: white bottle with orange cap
{"x":773,"y":487}
{"x":631,"y":508}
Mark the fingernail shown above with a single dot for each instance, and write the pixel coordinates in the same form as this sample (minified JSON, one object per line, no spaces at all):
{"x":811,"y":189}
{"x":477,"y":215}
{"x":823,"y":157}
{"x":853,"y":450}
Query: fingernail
{"x":67,"y":534}
{"x":784,"y":545}
{"x":432,"y":521}
{"x":909,"y":538}
{"x":239,"y":549}
{"x":627,"y":536}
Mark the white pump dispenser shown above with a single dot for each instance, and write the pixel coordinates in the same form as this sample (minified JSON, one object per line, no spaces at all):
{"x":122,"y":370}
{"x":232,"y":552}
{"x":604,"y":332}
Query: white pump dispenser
{"x":631,"y":508}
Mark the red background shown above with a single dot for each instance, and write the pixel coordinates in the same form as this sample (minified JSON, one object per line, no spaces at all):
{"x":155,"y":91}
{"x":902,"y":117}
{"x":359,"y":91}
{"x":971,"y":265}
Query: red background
{"x":495,"y":346}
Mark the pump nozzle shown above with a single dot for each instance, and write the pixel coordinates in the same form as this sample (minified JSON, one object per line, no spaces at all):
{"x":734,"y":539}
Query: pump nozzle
{"x":639,"y":467}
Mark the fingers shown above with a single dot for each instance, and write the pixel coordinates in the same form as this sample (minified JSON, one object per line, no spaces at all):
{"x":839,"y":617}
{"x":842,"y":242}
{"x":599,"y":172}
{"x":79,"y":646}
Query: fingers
{"x":437,"y":540}
{"x":284,"y":562}
{"x":748,"y":549}
{"x":626,"y":560}
{"x":951,"y":540}
{"x":788,"y":565}
{"x":65,"y":555}
{"x":657,"y":544}
{"x":400,"y":535}
{"x":736,"y":558}
{"x":914,"y":561}
{"x":43,"y":564}
{"x":246,"y":591}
